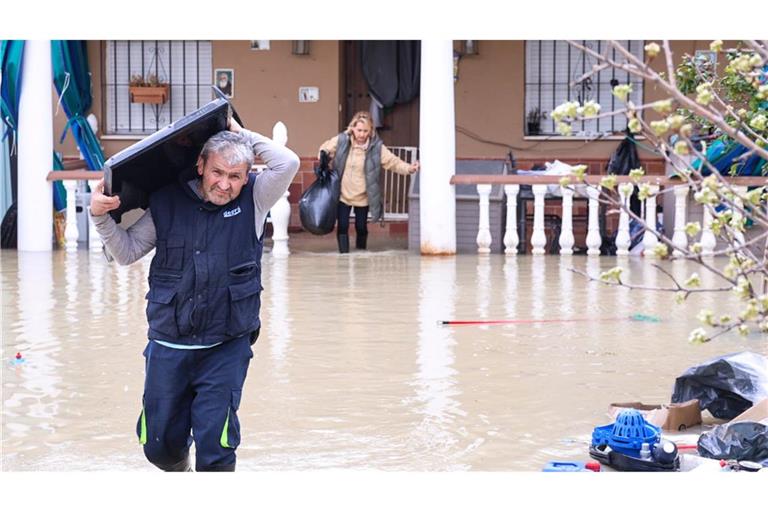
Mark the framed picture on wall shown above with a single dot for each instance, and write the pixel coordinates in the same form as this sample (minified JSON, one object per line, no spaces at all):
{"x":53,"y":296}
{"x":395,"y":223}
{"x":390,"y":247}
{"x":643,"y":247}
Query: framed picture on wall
{"x":224,"y":79}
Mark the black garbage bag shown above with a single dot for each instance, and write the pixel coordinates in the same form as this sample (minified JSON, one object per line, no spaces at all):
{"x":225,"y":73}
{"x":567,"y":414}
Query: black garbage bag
{"x":743,"y":440}
{"x":625,"y":158}
{"x":9,"y":228}
{"x":319,"y":203}
{"x":727,"y":385}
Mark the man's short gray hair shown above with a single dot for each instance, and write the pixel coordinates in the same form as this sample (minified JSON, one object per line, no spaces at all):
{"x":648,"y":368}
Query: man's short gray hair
{"x":233,"y":147}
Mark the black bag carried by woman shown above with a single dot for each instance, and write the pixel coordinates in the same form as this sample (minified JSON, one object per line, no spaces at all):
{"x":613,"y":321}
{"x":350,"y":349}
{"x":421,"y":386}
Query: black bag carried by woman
{"x":318,"y":204}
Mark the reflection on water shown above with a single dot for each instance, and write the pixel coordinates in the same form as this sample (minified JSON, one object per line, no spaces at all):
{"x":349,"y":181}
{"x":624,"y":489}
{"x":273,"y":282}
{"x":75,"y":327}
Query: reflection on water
{"x":352,"y":369}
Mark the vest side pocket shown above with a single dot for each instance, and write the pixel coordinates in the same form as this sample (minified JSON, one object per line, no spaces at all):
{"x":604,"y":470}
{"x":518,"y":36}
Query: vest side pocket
{"x":244,"y":302}
{"x":161,"y":309}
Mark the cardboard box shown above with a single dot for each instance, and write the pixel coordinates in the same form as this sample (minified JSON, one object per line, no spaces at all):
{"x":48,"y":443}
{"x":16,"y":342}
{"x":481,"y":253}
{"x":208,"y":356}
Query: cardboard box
{"x":673,"y":417}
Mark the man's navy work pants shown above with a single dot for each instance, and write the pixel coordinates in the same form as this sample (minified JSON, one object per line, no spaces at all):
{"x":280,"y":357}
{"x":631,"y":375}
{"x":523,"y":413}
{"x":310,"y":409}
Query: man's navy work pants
{"x":198,"y":391}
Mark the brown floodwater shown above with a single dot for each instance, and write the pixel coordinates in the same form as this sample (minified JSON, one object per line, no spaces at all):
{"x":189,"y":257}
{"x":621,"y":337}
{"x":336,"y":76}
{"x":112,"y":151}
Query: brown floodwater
{"x":352,"y":370}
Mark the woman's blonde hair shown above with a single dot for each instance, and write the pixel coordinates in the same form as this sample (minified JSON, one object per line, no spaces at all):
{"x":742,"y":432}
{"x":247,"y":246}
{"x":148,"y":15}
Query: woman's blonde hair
{"x":364,"y":117}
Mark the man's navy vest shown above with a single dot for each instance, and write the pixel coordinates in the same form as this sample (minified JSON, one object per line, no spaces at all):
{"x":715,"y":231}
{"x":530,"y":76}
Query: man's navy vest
{"x":205,"y":278}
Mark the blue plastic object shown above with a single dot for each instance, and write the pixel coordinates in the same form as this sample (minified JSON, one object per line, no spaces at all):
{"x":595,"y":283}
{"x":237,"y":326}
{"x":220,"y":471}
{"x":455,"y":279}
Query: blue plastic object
{"x":628,"y":434}
{"x":555,"y":466}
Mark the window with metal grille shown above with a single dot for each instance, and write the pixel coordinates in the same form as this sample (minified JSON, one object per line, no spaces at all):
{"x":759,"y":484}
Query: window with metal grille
{"x":184,"y":65}
{"x":551,"y":66}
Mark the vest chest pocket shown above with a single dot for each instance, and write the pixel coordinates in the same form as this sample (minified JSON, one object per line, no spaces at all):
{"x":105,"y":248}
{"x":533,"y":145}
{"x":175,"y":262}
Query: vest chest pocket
{"x":161,"y":308}
{"x":172,"y":251}
{"x":244,"y":303}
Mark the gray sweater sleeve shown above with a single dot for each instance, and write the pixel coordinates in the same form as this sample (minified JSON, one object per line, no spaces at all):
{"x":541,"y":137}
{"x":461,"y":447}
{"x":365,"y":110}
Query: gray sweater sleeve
{"x":126,"y":245}
{"x":271,"y":184}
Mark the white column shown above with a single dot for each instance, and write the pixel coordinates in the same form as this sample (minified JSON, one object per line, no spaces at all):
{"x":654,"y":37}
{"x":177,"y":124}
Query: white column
{"x":437,"y":140}
{"x":650,"y":240}
{"x":623,"y":240}
{"x":593,"y":231}
{"x":94,"y":240}
{"x":71,"y":233}
{"x":511,"y":239}
{"x":538,"y":238}
{"x":281,"y":211}
{"x":679,"y":238}
{"x":737,"y":215}
{"x":566,"y":229}
{"x":483,"y":226}
{"x":708,"y":241}
{"x":35,"y":194}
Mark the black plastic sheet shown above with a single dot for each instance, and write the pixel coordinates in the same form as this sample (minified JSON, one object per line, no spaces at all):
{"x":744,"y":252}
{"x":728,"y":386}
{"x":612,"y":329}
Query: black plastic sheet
{"x":743,"y":440}
{"x":319,"y":203}
{"x":727,"y":385}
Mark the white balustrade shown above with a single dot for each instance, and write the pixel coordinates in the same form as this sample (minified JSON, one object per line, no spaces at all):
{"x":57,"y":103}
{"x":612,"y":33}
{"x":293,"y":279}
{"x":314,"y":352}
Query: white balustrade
{"x":538,"y":238}
{"x":281,"y":211}
{"x":623,"y":240}
{"x":594,"y":240}
{"x":94,"y":240}
{"x":679,"y":238}
{"x":71,"y":233}
{"x":566,"y":231}
{"x":483,"y":228}
{"x":738,"y":217}
{"x":511,"y":238}
{"x":650,"y":240}
{"x":708,"y":241}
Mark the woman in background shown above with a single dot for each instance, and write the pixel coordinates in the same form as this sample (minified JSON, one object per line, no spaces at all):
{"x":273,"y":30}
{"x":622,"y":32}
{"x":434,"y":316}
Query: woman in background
{"x":360,"y":155}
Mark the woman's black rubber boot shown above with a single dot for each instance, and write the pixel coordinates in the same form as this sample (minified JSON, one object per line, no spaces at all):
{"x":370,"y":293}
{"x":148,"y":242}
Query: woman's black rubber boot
{"x":343,"y":243}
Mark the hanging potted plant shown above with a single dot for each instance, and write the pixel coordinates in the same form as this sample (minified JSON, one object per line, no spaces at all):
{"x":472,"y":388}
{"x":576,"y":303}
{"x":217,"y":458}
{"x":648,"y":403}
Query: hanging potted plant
{"x":148,"y":90}
{"x":533,"y":120}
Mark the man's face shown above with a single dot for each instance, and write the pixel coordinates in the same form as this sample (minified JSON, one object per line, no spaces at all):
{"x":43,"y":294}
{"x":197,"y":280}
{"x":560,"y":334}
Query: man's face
{"x":221,"y":182}
{"x":223,"y":80}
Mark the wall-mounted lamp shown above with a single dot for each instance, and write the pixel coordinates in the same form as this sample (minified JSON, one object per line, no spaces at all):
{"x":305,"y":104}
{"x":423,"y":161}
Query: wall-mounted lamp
{"x":300,"y":48}
{"x":469,"y":47}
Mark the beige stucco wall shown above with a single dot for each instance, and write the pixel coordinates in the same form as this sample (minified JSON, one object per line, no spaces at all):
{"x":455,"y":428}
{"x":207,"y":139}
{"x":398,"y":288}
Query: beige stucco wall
{"x":489,"y":97}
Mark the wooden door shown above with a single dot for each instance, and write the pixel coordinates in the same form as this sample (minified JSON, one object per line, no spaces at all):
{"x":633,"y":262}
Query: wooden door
{"x":401,"y":122}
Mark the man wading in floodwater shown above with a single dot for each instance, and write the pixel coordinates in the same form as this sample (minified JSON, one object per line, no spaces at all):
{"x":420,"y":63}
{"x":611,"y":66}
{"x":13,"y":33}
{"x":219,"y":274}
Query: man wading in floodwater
{"x":204,"y":294}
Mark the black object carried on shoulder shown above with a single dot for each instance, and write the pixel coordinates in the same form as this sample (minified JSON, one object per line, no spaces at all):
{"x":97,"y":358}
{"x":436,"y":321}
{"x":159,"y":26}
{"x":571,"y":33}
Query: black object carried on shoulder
{"x":160,"y":158}
{"x":318,"y":204}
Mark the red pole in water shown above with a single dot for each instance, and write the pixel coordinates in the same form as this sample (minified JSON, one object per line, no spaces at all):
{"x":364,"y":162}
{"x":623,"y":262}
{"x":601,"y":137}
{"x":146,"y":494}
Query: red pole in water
{"x":526,"y":321}
{"x":636,"y":316}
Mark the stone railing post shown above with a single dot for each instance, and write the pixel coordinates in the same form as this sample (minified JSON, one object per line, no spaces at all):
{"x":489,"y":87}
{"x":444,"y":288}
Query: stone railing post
{"x":650,"y":240}
{"x":71,"y":233}
{"x":623,"y":240}
{"x":566,"y":231}
{"x":511,"y":238}
{"x":281,"y":211}
{"x":593,"y":232}
{"x":708,"y":241}
{"x":538,"y":238}
{"x":484,"y":238}
{"x":679,"y":238}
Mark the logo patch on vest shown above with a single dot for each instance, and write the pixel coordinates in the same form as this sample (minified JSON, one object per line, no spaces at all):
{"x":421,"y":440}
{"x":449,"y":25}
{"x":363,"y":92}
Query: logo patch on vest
{"x":232,"y":213}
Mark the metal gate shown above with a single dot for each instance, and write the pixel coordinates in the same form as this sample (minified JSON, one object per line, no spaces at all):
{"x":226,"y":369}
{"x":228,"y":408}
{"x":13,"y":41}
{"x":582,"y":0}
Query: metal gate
{"x":396,"y":186}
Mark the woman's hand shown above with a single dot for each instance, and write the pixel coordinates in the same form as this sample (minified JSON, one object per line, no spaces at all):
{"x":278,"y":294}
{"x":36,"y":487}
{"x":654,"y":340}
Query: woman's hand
{"x":101,"y":204}
{"x":414,"y":167}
